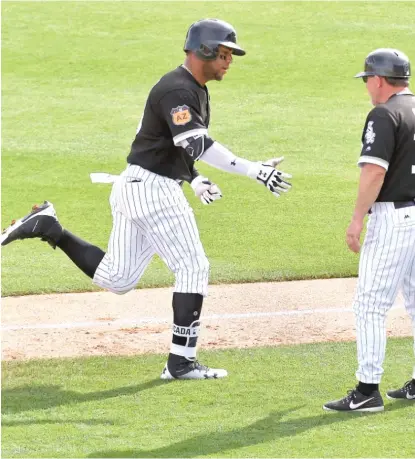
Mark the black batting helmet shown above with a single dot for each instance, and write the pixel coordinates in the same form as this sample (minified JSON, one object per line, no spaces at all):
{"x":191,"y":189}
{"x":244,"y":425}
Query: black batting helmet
{"x":205,"y":36}
{"x":386,"y":62}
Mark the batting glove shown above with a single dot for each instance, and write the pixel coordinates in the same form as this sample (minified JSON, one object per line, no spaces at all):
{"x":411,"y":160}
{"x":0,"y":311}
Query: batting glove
{"x":205,"y":190}
{"x":266,"y":174}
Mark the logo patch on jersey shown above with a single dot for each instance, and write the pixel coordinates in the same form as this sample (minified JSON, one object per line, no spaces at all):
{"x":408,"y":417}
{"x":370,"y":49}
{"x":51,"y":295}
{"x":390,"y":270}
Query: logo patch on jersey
{"x":370,"y":134}
{"x":181,"y":115}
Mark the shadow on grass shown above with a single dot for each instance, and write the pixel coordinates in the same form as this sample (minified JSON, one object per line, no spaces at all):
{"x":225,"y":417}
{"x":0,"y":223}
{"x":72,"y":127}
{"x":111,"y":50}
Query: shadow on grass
{"x":267,"y":429}
{"x":27,"y":398}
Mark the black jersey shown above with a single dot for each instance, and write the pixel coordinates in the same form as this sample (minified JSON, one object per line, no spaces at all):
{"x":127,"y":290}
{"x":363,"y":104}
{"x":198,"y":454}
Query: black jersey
{"x":389,"y":141}
{"x":177,"y":108}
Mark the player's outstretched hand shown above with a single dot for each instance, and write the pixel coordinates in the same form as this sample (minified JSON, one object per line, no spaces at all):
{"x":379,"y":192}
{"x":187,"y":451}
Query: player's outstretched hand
{"x":205,"y":190}
{"x":273,"y":179}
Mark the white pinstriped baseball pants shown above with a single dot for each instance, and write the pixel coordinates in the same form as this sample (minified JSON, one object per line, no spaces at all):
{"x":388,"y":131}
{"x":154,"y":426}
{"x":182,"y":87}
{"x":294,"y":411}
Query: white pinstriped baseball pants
{"x":387,"y":264}
{"x":151,"y":216}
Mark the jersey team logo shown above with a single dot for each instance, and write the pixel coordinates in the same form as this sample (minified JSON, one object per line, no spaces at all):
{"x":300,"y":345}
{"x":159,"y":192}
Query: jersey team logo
{"x":181,"y":115}
{"x":370,"y":134}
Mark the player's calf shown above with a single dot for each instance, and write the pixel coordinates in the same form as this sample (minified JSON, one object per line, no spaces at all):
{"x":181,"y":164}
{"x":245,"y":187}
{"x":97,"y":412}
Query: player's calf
{"x":182,"y":363}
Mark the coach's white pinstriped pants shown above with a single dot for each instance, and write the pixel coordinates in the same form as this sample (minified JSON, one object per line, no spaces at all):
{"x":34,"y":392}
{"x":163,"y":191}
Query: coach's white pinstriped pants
{"x":387,"y":264}
{"x":151,"y":216}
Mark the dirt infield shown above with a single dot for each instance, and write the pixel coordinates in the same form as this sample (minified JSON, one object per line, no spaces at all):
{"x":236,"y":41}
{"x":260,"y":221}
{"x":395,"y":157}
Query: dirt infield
{"x":237,"y":315}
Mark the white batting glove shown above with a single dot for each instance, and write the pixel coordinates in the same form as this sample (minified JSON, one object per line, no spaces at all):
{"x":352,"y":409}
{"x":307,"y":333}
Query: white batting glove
{"x":205,"y":190}
{"x":266,"y":174}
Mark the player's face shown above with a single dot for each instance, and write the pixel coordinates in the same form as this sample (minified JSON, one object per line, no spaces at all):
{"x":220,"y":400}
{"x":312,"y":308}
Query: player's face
{"x":215,"y":70}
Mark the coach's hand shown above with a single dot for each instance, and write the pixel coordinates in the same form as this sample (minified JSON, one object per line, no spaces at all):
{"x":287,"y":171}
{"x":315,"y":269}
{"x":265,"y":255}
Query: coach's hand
{"x":353,"y":232}
{"x":272,"y":178}
{"x":205,"y":190}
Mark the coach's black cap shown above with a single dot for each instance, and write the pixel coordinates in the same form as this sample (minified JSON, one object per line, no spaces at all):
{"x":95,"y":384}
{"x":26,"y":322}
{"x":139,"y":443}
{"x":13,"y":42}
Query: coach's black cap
{"x":386,"y":62}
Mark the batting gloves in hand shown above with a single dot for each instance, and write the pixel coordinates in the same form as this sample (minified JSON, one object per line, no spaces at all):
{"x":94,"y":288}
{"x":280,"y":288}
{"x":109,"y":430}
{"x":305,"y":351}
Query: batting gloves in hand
{"x":272,"y":178}
{"x":205,"y":190}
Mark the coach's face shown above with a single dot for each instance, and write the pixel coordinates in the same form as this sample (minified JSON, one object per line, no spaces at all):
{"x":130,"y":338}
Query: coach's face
{"x":215,"y":70}
{"x":373,"y":86}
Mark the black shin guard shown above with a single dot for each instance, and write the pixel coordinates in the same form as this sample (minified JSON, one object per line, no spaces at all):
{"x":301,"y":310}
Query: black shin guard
{"x":186,"y":323}
{"x":85,"y":255}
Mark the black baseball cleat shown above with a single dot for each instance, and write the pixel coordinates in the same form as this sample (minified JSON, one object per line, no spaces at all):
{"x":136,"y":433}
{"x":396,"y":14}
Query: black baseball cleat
{"x":356,"y":401}
{"x":178,"y":367}
{"x":407,"y":392}
{"x":42,"y":222}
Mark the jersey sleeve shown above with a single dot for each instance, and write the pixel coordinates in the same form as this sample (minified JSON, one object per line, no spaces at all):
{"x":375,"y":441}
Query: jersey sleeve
{"x":181,"y":110}
{"x":378,"y":138}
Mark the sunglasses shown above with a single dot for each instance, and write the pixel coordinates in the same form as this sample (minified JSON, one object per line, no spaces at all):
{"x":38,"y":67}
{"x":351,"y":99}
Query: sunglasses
{"x":365,"y":78}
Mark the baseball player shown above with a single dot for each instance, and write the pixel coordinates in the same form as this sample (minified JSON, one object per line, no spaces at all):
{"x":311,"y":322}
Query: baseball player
{"x":387,"y":193}
{"x":150,"y":212}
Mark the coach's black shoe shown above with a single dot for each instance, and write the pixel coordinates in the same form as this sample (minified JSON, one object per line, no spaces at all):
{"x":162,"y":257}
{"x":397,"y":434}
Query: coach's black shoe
{"x":407,"y":392}
{"x":42,"y":222}
{"x":356,"y":401}
{"x":178,"y":367}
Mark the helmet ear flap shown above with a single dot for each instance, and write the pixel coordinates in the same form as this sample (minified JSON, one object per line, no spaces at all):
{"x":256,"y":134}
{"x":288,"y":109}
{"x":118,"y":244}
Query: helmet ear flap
{"x":207,"y":53}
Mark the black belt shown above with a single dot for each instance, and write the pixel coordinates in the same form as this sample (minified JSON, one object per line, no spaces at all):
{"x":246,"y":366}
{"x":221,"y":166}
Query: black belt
{"x":402,"y":204}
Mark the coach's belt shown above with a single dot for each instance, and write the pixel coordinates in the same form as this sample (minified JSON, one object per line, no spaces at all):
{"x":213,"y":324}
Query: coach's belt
{"x":402,"y":204}
{"x":398,"y":205}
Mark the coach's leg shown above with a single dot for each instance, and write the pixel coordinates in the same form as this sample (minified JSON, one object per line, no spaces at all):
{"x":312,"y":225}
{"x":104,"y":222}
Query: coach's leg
{"x":383,"y":262}
{"x":407,"y":391}
{"x":409,"y":296}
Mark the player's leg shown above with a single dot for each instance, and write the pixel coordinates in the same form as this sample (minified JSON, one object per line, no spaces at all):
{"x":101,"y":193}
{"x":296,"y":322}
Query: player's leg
{"x":162,"y":209}
{"x":407,"y":391}
{"x":119,"y":270}
{"x":129,"y":251}
{"x":127,"y":257}
{"x":181,"y":249}
{"x":42,"y":222}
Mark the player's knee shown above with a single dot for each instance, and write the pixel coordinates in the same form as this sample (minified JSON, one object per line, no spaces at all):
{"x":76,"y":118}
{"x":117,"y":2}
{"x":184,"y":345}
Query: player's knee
{"x":204,"y":265}
{"x":119,"y":289}
{"x":194,"y":277}
{"x":201,"y":268}
{"x":121,"y":285}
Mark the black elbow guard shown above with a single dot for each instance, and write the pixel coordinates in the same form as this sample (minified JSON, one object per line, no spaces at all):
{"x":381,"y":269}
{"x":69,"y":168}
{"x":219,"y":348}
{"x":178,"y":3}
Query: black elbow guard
{"x":196,"y":146}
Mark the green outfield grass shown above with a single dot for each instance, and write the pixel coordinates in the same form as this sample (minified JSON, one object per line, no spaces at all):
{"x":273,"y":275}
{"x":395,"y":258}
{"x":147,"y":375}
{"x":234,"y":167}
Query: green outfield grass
{"x":75,"y":78}
{"x":270,"y":406}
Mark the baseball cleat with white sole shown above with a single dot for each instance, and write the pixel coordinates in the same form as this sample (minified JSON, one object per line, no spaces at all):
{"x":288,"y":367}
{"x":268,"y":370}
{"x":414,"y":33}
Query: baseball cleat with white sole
{"x":356,"y":401}
{"x":41,"y":222}
{"x":193,"y":370}
{"x":407,"y":392}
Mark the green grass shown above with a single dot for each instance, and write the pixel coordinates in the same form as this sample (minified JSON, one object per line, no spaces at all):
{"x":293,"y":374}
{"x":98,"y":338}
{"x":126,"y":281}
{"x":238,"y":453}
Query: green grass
{"x":270,"y":406}
{"x":75,"y":78}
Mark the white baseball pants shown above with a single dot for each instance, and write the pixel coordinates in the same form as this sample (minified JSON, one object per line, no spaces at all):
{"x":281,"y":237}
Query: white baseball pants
{"x":151,"y":216}
{"x":387,"y":264}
